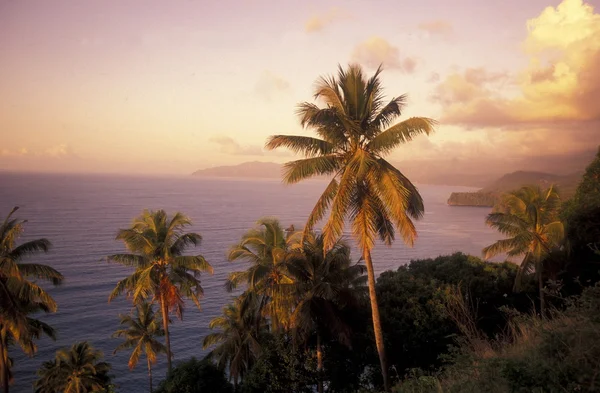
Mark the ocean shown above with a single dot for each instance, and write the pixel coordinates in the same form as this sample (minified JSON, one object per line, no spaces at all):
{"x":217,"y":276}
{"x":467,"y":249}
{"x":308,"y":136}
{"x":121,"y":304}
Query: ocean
{"x":80,"y":215}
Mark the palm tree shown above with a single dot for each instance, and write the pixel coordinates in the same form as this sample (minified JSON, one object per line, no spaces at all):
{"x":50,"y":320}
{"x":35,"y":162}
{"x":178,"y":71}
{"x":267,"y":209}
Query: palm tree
{"x":20,"y":297}
{"x":325,"y":281}
{"x":74,"y":370}
{"x":267,"y":249}
{"x":237,"y":341}
{"x":530,"y":220}
{"x":162,"y":272}
{"x":356,"y":131}
{"x":36,"y":329}
{"x":140,"y":334}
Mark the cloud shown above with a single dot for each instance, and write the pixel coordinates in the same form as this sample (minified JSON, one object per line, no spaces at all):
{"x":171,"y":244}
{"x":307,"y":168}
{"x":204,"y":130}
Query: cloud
{"x":560,"y":84}
{"x":434,"y":77}
{"x":437,"y":27}
{"x":376,"y":51}
{"x":318,"y":22}
{"x":59,"y":151}
{"x":13,"y":153}
{"x":228,"y":145}
{"x":269,"y":85}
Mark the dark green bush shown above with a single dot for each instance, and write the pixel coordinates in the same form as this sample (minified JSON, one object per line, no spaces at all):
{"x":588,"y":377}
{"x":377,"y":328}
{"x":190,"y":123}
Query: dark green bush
{"x":195,"y":376}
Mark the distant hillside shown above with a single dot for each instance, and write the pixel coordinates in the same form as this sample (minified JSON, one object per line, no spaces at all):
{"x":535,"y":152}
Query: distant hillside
{"x":566,"y":184}
{"x":488,"y":195}
{"x":255,"y":169}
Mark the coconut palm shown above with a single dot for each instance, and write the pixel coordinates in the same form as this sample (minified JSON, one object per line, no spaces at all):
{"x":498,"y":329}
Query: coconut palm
{"x":237,"y":341}
{"x":356,"y":131}
{"x":324,"y":282}
{"x":20,"y":297}
{"x":162,"y":273}
{"x":74,"y":370}
{"x":36,"y":329}
{"x":140,"y":333}
{"x":267,"y":249}
{"x":530,"y":220}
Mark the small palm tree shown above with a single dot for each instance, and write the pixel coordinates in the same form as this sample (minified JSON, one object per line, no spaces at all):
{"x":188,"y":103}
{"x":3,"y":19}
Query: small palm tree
{"x":325,"y":281}
{"x":162,"y":273}
{"x":267,"y":249}
{"x":74,"y":370}
{"x":356,"y":131}
{"x":140,"y":333}
{"x":237,"y":341}
{"x":20,"y":297}
{"x":530,"y":220}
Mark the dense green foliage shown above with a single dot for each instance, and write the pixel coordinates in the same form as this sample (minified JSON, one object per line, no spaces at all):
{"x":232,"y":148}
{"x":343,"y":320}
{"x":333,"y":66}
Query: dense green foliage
{"x":281,"y":368}
{"x":581,"y":215}
{"x":560,"y":355}
{"x":78,"y":369}
{"x":195,"y":376}
{"x":414,"y":298}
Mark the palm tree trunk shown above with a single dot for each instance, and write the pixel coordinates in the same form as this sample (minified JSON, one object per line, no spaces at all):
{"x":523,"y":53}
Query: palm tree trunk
{"x":542,"y":300}
{"x":165,"y":317}
{"x":150,"y":374}
{"x":376,"y":320}
{"x":319,"y":365}
{"x":3,"y":364}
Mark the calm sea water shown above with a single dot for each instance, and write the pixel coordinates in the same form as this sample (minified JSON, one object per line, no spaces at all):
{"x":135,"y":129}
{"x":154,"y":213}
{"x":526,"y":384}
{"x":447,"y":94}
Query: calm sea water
{"x":81,"y":215}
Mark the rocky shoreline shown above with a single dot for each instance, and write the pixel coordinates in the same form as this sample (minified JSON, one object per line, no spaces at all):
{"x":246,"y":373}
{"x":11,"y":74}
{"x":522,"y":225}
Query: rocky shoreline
{"x":478,"y":199}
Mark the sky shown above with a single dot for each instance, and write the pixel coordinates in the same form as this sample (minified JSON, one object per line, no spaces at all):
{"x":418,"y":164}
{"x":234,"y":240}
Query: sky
{"x":132,"y":86}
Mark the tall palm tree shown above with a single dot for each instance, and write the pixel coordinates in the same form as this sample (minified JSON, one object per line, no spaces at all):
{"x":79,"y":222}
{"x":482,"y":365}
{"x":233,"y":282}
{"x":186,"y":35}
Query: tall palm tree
{"x":162,"y":272}
{"x":267,"y":249}
{"x":530,"y":220}
{"x":20,"y":297}
{"x":74,"y":370}
{"x":237,"y":341}
{"x":140,"y":333}
{"x":325,"y":282}
{"x":356,"y":131}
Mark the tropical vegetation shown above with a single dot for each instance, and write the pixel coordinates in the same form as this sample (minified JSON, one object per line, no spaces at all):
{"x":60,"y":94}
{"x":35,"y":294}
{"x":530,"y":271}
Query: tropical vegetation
{"x":530,"y":219}
{"x":77,"y":369}
{"x":356,"y":129}
{"x":162,"y":272}
{"x":141,"y":332}
{"x":20,"y":297}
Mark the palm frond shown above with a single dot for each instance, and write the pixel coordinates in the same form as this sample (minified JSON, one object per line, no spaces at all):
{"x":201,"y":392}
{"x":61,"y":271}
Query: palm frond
{"x":295,"y":171}
{"x":307,"y":146}
{"x":43,"y":272}
{"x":401,"y":133}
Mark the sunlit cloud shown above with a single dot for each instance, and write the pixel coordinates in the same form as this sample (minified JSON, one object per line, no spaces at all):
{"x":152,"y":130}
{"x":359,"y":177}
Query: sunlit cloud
{"x":57,"y":151}
{"x":13,"y":153}
{"x":561,"y":82}
{"x":319,"y":22}
{"x":437,"y":27}
{"x":228,"y":145}
{"x":376,"y":50}
{"x":62,"y":150}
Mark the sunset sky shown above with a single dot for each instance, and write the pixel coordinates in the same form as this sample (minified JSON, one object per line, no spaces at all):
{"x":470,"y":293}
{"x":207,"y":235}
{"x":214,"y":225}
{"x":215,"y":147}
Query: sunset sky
{"x":174,"y":86}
